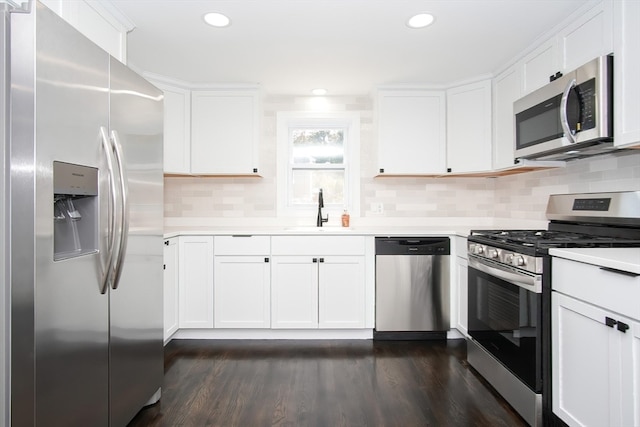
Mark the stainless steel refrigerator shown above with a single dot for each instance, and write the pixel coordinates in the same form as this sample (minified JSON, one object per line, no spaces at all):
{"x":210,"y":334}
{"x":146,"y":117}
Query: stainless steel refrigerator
{"x":85,"y":217}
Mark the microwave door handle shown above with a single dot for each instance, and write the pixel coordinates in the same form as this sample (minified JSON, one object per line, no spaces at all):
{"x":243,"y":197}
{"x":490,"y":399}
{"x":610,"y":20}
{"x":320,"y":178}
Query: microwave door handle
{"x":564,"y":120}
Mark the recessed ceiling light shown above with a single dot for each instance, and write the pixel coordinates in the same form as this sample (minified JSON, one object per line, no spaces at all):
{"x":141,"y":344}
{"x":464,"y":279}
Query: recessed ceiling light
{"x":319,"y":92}
{"x":216,"y":19}
{"x":420,"y":20}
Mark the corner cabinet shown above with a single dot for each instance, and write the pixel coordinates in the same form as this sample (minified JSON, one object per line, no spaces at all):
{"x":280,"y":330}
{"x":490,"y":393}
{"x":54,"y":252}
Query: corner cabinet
{"x":596,"y":342}
{"x":170,"y":287}
{"x":626,"y":16}
{"x":318,"y":282}
{"x":225,"y":132}
{"x":469,"y":127}
{"x":242,"y":282}
{"x":196,"y":281}
{"x":411,"y":132}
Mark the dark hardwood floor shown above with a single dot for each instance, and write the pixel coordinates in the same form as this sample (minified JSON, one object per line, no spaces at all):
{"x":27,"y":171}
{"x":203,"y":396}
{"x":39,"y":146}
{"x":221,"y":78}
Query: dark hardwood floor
{"x":323,"y":383}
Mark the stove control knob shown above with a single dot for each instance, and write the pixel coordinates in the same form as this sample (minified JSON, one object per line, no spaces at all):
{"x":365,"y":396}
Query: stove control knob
{"x":479,"y":250}
{"x":520,"y":261}
{"x":508,"y":258}
{"x":493,"y":253}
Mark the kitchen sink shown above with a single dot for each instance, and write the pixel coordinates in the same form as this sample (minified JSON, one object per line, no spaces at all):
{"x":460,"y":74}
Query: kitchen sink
{"x":310,"y":229}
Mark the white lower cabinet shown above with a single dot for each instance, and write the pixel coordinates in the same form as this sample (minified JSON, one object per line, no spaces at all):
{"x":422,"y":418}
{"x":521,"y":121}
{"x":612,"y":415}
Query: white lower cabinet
{"x":242,"y":292}
{"x":318,"y":282}
{"x":596,"y":367}
{"x":242,"y":282}
{"x":341,"y":292}
{"x":294,"y":296}
{"x":318,"y":292}
{"x":595,"y":345}
{"x":170,"y":287}
{"x":196,"y":281}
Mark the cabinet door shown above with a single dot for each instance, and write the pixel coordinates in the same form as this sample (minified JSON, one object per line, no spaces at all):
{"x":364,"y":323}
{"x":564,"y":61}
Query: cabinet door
{"x":411,"y":132}
{"x":224,"y":132}
{"x":462,"y":279}
{"x":242,"y":296}
{"x":177,"y":129}
{"x":341,"y":292}
{"x":586,"y":38}
{"x":538,"y":66}
{"x":196,"y":281}
{"x":626,"y":71}
{"x":294,"y":292}
{"x":469,"y":127}
{"x":506,"y":90}
{"x":170,"y":287}
{"x":588,"y":364}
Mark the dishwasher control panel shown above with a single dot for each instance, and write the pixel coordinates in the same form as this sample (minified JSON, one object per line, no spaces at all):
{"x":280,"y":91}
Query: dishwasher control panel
{"x":413,"y":246}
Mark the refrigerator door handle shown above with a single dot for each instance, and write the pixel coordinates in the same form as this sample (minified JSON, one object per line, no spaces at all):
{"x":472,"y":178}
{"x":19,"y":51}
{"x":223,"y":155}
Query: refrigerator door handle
{"x":124,"y":209}
{"x":111,"y":231}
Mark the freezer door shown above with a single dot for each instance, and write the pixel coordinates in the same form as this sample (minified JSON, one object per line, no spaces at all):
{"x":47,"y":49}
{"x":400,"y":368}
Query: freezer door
{"x":136,"y":351}
{"x":59,"y":100}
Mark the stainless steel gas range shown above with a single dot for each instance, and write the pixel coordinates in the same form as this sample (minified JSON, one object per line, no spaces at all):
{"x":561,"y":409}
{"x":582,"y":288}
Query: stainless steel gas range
{"x":509,"y":279}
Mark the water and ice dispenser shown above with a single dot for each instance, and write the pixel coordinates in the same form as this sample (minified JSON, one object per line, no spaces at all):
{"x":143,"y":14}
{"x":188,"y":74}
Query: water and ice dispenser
{"x":75,"y":210}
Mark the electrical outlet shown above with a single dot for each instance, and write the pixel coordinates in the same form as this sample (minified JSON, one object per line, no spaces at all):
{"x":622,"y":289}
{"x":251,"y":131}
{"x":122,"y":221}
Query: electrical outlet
{"x":378,"y":208}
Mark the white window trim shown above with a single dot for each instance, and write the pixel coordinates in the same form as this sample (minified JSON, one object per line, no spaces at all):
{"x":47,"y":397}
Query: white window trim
{"x":351,"y":122}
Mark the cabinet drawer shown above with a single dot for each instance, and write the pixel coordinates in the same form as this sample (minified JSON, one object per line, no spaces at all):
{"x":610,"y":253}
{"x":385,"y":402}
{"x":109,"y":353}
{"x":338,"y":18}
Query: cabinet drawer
{"x":317,"y":245}
{"x":613,"y":291}
{"x":241,"y":245}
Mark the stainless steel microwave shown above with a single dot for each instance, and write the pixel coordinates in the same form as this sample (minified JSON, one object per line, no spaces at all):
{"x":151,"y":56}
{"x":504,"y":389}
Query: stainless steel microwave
{"x":571,"y":117}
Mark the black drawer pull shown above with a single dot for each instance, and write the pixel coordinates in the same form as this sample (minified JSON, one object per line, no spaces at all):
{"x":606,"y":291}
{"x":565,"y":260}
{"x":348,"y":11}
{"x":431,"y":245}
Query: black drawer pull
{"x":615,"y":270}
{"x":610,"y":322}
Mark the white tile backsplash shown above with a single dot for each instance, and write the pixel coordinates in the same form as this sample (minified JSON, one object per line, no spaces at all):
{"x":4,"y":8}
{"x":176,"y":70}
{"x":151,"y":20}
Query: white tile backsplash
{"x":520,"y":197}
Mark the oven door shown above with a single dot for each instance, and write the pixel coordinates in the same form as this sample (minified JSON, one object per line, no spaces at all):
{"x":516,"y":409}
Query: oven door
{"x":505,"y":317}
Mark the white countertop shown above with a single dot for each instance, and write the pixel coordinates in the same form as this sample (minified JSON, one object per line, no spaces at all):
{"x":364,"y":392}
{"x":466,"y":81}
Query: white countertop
{"x":318,"y":231}
{"x":624,"y":259}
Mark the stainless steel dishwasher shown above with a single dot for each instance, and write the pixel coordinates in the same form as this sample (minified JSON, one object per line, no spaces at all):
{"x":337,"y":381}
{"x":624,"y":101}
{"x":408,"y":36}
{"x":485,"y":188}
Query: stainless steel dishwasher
{"x":412,"y":287}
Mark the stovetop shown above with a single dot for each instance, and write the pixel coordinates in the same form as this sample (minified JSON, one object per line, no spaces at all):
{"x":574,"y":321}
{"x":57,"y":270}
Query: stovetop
{"x":540,"y":241}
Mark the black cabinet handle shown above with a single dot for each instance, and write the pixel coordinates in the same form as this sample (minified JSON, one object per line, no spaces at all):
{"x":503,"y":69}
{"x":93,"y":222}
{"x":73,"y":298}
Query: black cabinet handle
{"x":266,"y":260}
{"x":166,"y":243}
{"x":321,"y":259}
{"x":315,"y":260}
{"x":615,"y":270}
{"x":610,"y":322}
{"x":622,"y":327}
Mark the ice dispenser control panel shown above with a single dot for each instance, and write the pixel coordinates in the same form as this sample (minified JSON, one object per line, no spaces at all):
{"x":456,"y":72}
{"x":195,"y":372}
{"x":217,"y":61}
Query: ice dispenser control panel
{"x":75,"y":210}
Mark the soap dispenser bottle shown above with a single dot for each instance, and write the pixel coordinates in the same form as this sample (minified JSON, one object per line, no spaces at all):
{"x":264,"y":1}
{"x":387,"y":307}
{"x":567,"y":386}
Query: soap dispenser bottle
{"x":345,"y":218}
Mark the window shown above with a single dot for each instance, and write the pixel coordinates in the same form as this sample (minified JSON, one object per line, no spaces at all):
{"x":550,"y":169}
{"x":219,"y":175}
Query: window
{"x":318,"y":151}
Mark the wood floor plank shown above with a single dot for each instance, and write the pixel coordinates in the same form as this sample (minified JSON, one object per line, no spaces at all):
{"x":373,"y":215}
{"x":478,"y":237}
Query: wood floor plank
{"x":297,"y":383}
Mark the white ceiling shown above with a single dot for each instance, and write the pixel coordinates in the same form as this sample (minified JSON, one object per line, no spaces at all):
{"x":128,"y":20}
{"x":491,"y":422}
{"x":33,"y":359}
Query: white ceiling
{"x":345,"y":46}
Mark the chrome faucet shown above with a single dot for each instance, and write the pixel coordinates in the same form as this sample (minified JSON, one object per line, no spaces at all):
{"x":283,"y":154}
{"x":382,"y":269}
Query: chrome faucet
{"x":321,"y":220}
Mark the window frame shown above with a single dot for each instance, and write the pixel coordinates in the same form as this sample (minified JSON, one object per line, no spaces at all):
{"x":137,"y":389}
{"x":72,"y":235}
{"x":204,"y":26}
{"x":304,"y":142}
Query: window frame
{"x":350,"y":122}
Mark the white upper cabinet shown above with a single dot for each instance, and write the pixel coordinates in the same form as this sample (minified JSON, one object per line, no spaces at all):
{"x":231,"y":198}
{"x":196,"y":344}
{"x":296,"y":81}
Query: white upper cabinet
{"x":589,"y":36}
{"x":469,"y":127}
{"x":626,"y":71}
{"x":506,"y":90}
{"x":411,"y":132}
{"x":224,"y":132}
{"x":177,"y":147}
{"x":537,"y":66}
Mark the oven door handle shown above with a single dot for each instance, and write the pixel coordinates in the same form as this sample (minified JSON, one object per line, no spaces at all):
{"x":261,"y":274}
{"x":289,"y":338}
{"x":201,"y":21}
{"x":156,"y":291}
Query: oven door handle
{"x":531,"y":283}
